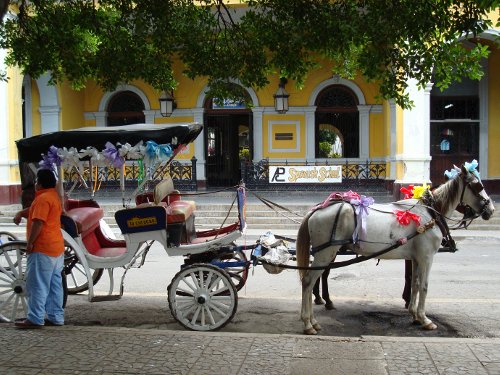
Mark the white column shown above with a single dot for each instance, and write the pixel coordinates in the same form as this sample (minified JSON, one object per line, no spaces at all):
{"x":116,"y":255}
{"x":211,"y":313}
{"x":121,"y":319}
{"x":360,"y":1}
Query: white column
{"x":393,"y":139}
{"x":483,"y":121}
{"x":310,"y":134}
{"x":149,"y":116}
{"x":416,"y":132}
{"x":364,"y":131}
{"x":199,"y":146}
{"x":4,"y":124}
{"x":257,"y":133}
{"x":49,"y":116}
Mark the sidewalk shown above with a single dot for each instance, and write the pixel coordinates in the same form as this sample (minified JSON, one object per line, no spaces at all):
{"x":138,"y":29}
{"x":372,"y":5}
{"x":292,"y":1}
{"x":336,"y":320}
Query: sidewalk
{"x":83,"y":350}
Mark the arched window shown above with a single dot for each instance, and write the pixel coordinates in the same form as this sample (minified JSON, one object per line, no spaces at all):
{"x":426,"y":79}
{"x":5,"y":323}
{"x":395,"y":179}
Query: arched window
{"x":125,"y":108}
{"x":337,"y":123}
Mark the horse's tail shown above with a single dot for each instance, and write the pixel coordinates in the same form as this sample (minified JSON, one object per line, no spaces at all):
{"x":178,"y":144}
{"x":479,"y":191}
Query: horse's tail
{"x":302,"y":245}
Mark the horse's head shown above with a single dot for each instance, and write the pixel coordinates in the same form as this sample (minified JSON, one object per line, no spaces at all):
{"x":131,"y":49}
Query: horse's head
{"x":473,"y":197}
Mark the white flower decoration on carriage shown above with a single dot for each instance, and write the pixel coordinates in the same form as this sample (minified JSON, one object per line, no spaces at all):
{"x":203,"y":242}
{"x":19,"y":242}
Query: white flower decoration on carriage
{"x":95,"y":156}
{"x":70,"y":157}
{"x":129,"y":152}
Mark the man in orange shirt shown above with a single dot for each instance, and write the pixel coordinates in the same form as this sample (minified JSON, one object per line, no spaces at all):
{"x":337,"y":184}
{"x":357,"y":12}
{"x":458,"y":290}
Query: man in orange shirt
{"x":45,"y":249}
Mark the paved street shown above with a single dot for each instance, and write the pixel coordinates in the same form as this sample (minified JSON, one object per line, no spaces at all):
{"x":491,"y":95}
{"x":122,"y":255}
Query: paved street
{"x":369,"y":332}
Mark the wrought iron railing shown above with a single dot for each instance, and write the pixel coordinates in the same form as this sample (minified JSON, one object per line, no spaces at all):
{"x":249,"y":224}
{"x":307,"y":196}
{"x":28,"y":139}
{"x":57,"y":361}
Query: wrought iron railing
{"x":369,"y":175}
{"x":108,"y":178}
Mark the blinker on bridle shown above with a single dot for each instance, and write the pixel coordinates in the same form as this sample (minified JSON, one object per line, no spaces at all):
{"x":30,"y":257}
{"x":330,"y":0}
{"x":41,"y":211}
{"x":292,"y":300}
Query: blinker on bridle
{"x":470,"y":213}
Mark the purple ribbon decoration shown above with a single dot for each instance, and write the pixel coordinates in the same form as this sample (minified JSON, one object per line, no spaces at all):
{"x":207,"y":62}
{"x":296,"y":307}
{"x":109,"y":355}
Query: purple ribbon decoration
{"x":361,"y":210}
{"x":52,"y":157}
{"x":112,"y":155}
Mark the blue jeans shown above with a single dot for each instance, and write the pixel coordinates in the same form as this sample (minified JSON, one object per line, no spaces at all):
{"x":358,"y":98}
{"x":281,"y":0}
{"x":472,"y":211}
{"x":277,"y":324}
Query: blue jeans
{"x":44,"y":288}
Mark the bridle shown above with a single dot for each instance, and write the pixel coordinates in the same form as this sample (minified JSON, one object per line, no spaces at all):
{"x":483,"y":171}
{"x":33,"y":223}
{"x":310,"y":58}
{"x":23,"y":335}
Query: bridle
{"x":469,"y":213}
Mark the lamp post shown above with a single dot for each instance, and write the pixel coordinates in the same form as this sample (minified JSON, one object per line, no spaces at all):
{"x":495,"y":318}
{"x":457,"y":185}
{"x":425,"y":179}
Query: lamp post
{"x":281,"y":97}
{"x":166,"y":104}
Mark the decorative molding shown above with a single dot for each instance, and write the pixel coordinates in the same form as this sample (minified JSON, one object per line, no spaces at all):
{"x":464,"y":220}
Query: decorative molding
{"x":270,"y":136}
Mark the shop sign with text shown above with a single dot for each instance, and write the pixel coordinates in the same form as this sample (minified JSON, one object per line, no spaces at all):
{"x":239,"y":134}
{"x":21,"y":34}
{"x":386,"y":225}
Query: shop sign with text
{"x":305,"y":174}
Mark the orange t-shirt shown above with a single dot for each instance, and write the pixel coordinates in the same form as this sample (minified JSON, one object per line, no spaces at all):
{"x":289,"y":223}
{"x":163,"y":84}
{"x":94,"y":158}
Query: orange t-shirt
{"x":47,"y":208}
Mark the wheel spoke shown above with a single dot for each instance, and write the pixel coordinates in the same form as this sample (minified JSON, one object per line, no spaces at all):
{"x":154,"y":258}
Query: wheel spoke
{"x":210,"y":316}
{"x":12,"y":267}
{"x":5,"y":277}
{"x":195,"y":315}
{"x":5,"y":291}
{"x":212,"y":305}
{"x":185,"y":291}
{"x":4,"y":305}
{"x":215,"y":283}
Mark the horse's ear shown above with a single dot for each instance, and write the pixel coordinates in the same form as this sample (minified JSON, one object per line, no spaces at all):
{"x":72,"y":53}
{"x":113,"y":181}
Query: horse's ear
{"x":464,"y":170}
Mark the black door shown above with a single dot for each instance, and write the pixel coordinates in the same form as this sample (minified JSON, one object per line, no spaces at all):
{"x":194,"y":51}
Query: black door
{"x":222,"y":146}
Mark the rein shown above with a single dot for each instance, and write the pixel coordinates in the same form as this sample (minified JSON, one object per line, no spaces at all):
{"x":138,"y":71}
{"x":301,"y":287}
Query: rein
{"x":358,"y":259}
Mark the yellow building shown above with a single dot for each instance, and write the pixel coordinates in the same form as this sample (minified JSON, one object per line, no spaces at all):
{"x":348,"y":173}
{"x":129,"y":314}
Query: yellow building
{"x":415,"y":146}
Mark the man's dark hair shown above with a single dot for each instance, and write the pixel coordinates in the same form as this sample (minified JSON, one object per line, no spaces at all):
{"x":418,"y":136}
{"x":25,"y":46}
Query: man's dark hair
{"x":46,"y":178}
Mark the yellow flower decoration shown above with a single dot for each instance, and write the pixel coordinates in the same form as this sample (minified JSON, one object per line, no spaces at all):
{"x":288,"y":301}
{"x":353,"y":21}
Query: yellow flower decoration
{"x":418,"y":191}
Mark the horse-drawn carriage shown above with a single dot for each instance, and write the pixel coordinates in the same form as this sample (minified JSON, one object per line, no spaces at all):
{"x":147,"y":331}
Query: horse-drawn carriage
{"x":203,"y":294}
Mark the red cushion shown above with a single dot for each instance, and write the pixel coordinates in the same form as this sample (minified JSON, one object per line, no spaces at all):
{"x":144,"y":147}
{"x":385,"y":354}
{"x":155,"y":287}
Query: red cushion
{"x":179,"y":211}
{"x":86,"y":218}
{"x":110,"y":251}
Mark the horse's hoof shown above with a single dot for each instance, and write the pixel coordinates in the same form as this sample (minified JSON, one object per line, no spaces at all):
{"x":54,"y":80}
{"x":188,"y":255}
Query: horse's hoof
{"x":318,"y":301}
{"x":430,"y":327}
{"x":317,"y":327}
{"x":310,"y":331}
{"x":329,"y":306}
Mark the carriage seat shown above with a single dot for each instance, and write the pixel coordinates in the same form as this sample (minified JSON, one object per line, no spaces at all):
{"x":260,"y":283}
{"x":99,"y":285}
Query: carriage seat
{"x":85,"y":221}
{"x":85,"y":218}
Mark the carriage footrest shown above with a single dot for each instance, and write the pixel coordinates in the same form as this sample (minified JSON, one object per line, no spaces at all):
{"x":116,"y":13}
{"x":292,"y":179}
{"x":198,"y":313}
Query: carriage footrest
{"x":112,"y":297}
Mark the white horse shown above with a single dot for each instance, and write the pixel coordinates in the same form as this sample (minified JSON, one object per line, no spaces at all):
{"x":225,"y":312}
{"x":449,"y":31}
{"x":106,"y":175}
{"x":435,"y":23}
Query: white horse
{"x":329,"y":228}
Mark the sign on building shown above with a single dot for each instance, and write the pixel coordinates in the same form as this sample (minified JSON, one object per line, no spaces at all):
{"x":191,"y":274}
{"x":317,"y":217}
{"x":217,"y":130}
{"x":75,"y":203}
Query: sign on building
{"x":305,"y":174}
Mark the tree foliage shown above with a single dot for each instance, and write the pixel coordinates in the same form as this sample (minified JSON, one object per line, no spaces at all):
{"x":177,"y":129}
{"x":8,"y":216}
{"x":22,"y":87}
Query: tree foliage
{"x":117,"y":41}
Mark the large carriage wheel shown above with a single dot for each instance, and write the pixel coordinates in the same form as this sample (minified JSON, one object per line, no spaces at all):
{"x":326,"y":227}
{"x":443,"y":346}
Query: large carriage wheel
{"x":4,"y":238}
{"x":13,"y":302}
{"x":76,"y":278}
{"x":202,"y":297}
{"x":238,"y":274}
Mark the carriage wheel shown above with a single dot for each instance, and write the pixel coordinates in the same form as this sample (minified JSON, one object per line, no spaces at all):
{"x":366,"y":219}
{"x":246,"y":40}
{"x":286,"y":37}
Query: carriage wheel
{"x":6,"y":237}
{"x":238,"y":274}
{"x":13,"y":302}
{"x":76,"y":277}
{"x":202,"y":297}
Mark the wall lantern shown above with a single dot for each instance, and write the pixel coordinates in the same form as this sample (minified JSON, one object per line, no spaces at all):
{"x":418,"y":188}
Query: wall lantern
{"x":167,"y":104}
{"x":281,"y":97}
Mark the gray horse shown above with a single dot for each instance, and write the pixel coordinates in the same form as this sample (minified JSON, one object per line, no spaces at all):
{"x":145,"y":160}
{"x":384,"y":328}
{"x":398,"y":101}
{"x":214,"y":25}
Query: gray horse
{"x":329,"y":228}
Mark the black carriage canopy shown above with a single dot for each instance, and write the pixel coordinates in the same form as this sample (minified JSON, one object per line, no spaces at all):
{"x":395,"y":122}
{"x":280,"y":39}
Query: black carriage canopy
{"x":30,"y":149}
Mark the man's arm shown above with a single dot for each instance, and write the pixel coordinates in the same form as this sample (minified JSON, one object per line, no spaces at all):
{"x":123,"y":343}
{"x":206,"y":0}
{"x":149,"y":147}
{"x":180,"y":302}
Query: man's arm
{"x":36,"y":228}
{"x":20,"y":214}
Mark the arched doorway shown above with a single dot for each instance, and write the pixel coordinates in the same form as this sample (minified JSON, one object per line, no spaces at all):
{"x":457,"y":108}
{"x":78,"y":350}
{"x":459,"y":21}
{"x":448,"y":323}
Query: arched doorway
{"x":337,"y":123}
{"x":228,"y":135}
{"x":125,"y":107}
{"x":454,"y":127}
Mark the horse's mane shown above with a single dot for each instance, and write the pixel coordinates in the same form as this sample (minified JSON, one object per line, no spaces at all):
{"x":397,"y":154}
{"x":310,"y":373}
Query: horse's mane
{"x":446,"y":196}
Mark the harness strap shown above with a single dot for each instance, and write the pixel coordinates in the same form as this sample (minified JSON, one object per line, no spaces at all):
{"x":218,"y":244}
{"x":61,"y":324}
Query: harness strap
{"x":334,"y":241}
{"x":345,"y":263}
{"x":448,"y":242}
